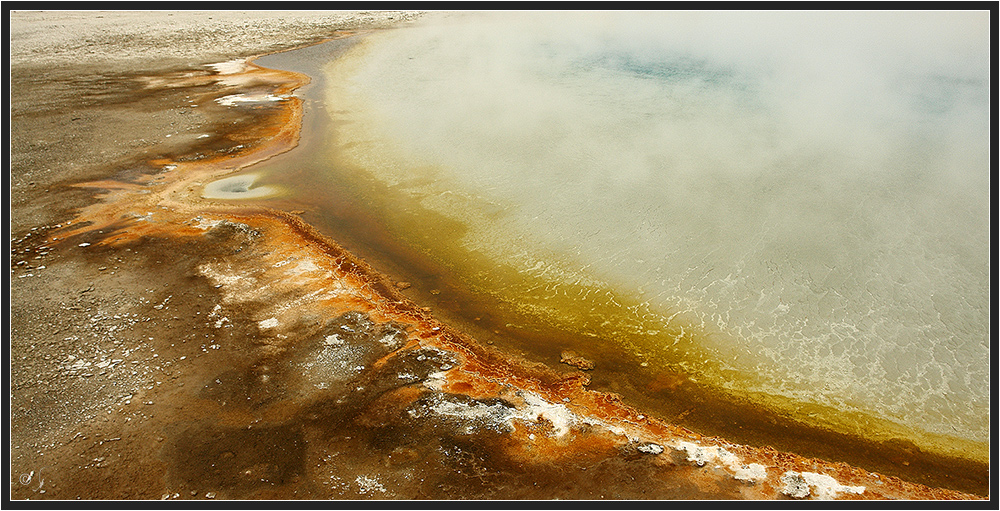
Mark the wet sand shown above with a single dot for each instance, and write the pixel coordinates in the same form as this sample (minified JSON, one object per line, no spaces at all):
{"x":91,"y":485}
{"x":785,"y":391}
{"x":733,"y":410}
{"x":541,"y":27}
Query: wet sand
{"x":165,"y":345}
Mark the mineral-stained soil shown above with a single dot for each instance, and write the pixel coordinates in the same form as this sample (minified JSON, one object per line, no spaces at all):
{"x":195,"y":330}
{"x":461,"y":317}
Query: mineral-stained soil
{"x":164,"y":346}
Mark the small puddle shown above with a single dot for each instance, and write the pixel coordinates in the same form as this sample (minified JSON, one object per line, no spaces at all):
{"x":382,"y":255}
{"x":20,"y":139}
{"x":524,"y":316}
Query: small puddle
{"x":239,"y":187}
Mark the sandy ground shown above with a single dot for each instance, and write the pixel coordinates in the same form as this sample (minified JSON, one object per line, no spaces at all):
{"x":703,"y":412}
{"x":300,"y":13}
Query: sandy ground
{"x":167,"y":351}
{"x":92,"y":331}
{"x":73,"y":87}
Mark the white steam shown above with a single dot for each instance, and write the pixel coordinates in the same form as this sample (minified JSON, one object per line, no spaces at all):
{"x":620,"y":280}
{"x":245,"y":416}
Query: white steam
{"x":813,"y":186}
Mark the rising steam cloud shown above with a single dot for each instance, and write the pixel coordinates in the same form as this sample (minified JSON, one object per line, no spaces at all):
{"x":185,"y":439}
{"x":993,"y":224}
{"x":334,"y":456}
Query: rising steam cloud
{"x":814,"y":186}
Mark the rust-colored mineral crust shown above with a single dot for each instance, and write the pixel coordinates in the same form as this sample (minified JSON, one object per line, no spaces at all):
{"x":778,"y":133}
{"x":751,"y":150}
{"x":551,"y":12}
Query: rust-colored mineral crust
{"x":337,"y":353}
{"x":570,"y":357}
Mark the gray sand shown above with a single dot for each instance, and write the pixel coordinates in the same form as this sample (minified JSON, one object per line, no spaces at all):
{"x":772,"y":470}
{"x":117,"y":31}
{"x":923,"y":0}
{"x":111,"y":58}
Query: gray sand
{"x":79,"y":111}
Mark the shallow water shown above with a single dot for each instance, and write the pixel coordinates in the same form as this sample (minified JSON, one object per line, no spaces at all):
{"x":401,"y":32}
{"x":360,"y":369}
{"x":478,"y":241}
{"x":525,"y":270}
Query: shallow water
{"x":238,"y":187}
{"x":790,"y":207}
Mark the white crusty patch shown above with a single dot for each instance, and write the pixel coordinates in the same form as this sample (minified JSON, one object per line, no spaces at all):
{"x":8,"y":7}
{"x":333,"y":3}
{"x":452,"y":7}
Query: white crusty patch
{"x":435,"y":380}
{"x":389,"y":340}
{"x":218,"y":277}
{"x":535,"y":408}
{"x":701,"y":455}
{"x":801,"y":484}
{"x":617,"y":430}
{"x":751,"y":473}
{"x":719,"y":456}
{"x":229,"y":67}
{"x":205,"y":225}
{"x":305,"y":266}
{"x":268,"y":323}
{"x":235,"y":99}
{"x":369,"y":484}
{"x":650,"y":448}
{"x":560,"y":416}
{"x":496,"y":416}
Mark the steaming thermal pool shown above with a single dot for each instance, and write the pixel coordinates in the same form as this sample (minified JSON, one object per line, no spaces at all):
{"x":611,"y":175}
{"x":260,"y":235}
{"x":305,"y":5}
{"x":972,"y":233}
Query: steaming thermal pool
{"x":793,"y":207}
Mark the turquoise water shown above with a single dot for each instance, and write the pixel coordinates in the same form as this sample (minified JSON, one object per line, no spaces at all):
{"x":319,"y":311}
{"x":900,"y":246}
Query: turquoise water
{"x":784,"y":205}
